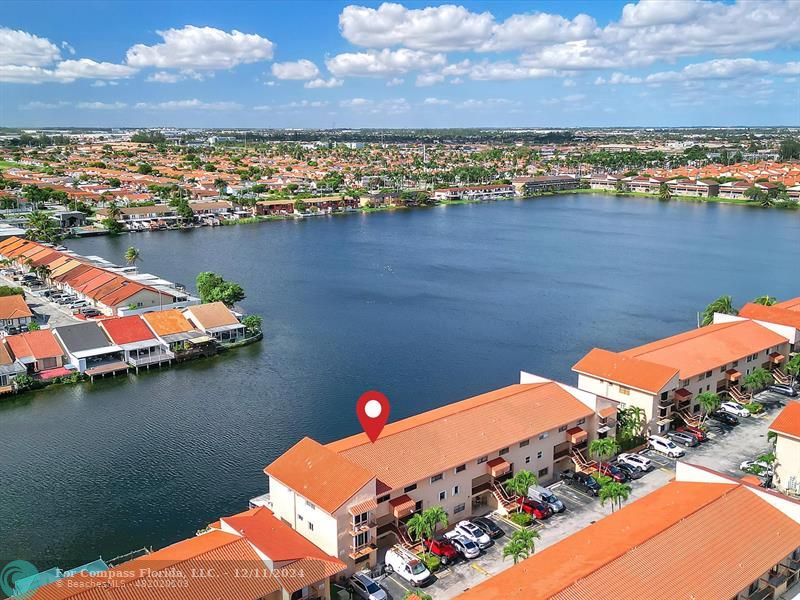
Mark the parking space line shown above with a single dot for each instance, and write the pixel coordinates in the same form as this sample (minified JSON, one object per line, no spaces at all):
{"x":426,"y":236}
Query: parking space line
{"x":480,"y":569}
{"x":393,"y":578}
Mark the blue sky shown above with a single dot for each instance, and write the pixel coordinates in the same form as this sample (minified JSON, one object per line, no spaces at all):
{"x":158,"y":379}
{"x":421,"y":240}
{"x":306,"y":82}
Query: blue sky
{"x":326,"y":64}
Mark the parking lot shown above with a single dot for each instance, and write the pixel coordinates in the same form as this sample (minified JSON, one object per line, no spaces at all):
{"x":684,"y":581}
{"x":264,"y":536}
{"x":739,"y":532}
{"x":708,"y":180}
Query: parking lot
{"x":45,"y":312}
{"x":726,"y":448}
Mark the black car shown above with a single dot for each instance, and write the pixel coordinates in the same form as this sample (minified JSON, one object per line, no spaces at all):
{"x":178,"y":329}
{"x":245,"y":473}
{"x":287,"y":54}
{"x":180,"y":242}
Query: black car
{"x":784,"y":389}
{"x":629,"y":470}
{"x":488,"y":527}
{"x":726,"y":418}
{"x":580,"y":480}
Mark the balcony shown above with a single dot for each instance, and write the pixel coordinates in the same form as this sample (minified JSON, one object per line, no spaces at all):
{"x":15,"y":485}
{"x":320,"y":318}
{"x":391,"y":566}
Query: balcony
{"x":762,"y":594}
{"x":356,"y":528}
{"x":152,"y":358}
{"x":357,"y":552}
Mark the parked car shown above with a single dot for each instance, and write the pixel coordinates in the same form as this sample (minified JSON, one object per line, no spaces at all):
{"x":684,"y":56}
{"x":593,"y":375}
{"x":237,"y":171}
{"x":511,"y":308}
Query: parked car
{"x":78,"y":304}
{"x":664,"y":446}
{"x":784,"y":389}
{"x":629,"y":470}
{"x":474,"y":533}
{"x":467,"y":548}
{"x":442,"y":548}
{"x":545,"y":496}
{"x":636,"y":460}
{"x":609,"y":470}
{"x":535,"y":509}
{"x":734,"y":409}
{"x":766,"y":468}
{"x":582,"y":481}
{"x":89,"y":312}
{"x":724,"y":417}
{"x":363,"y":586}
{"x":408,"y":566}
{"x":684,"y":439}
{"x":698,"y":433}
{"x":489,"y":527}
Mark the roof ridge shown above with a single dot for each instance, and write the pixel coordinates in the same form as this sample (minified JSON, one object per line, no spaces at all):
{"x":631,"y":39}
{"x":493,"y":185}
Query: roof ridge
{"x":679,"y":338}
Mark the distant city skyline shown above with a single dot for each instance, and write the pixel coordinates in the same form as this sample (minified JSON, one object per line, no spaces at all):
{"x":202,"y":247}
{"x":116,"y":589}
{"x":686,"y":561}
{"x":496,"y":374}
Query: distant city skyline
{"x":655,"y":63}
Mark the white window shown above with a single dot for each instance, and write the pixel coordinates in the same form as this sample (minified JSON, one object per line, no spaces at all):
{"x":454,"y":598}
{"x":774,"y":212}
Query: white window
{"x":361,"y":539}
{"x":459,"y":508}
{"x":456,"y":490}
{"x":436,"y":478}
{"x":359,"y":519}
{"x":544,"y":435}
{"x":310,"y":505}
{"x":483,"y":459}
{"x":442,"y":495}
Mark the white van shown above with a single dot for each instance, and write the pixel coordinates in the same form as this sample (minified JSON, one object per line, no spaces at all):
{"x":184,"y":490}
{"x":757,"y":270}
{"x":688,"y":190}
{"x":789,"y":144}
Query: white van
{"x":408,"y":566}
{"x":664,"y":446}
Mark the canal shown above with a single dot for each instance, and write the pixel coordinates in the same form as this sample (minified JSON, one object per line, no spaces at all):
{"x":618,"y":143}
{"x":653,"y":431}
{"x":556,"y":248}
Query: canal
{"x":429,"y":306}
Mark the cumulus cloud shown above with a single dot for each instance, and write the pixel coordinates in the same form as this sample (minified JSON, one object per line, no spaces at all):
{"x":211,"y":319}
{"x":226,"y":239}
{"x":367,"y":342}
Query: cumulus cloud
{"x":395,"y":81}
{"x":391,"y":106}
{"x":375,"y":63}
{"x":436,"y":101}
{"x":492,"y":71}
{"x":427,"y":79}
{"x":101,"y":105}
{"x":725,"y":68}
{"x":201,"y":48}
{"x":176,"y":76}
{"x":193,"y":104}
{"x":487,"y":104}
{"x":38,"y":105}
{"x":65,"y":72}
{"x":617,"y":79}
{"x":302,"y":69}
{"x":317,"y":83}
{"x":21,"y":48}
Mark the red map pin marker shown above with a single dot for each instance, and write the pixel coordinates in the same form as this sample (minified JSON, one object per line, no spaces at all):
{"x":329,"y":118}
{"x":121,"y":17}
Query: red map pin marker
{"x":372,"y":410}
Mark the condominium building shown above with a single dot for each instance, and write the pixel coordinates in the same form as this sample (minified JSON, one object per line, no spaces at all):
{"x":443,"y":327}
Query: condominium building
{"x":352,"y":497}
{"x":474,"y":192}
{"x":664,"y":377}
{"x":703,"y":535}
{"x":783,"y":318}
{"x":527,"y":186}
{"x":786,"y":428}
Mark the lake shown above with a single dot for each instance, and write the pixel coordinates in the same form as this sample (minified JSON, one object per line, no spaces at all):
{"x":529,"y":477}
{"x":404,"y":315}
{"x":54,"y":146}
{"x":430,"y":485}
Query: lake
{"x":428,"y":305}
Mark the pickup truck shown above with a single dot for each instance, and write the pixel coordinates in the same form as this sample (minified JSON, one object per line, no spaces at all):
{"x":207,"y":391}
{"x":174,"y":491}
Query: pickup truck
{"x":582,"y":481}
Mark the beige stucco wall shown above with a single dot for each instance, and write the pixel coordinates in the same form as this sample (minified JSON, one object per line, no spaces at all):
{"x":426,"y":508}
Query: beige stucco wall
{"x":787,"y":454}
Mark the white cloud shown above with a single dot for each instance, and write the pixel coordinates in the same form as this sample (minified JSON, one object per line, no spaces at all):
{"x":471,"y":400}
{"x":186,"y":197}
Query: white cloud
{"x":659,"y":12}
{"x":38,"y":105}
{"x":427,"y":79}
{"x":568,"y":99}
{"x":66,"y":46}
{"x":436,"y":101}
{"x":391,"y":106}
{"x":193,"y":104}
{"x":569,"y":83}
{"x":375,"y":63}
{"x":201,"y":48}
{"x":724,"y":68}
{"x":493,"y":71}
{"x":101,"y":105}
{"x":323,"y":83}
{"x":395,"y":81}
{"x":354,"y":102}
{"x":302,"y":69}
{"x":487,"y":104}
{"x":450,"y":28}
{"x":65,"y":72}
{"x":103,"y":83}
{"x":617,"y":79}
{"x":176,"y":76}
{"x":21,"y":48}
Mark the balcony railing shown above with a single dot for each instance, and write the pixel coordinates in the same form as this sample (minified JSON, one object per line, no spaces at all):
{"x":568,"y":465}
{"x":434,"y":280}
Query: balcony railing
{"x":362,"y":550}
{"x":356,"y":528}
{"x":762,"y":594}
{"x":150,"y":359}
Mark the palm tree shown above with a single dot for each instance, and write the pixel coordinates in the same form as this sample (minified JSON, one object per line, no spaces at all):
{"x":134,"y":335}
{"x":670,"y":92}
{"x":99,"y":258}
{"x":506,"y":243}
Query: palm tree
{"x":603,"y":448}
{"x":765,"y":300}
{"x":418,"y":527}
{"x":516,"y":550}
{"x":42,"y":228}
{"x":723,"y":304}
{"x":519,"y":484}
{"x":221,"y":185}
{"x":793,"y":366}
{"x":757,"y":380}
{"x":527,"y":537}
{"x":132,"y":256}
{"x":614,"y":492}
{"x":436,"y":516}
{"x":664,"y":193}
{"x":709,"y":402}
{"x":42,"y":272}
{"x":630,"y":421}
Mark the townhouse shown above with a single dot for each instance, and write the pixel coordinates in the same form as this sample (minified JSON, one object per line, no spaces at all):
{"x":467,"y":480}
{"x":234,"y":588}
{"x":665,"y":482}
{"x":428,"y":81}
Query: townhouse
{"x":604,"y":181}
{"x":14,"y":312}
{"x":39,"y":351}
{"x":217,"y":321}
{"x":734,"y":189}
{"x":474,"y":192}
{"x":786,"y":428}
{"x":528,"y":186}
{"x":701,"y":188}
{"x":645,"y":185}
{"x":88,"y":350}
{"x":180,"y":337}
{"x":10,"y":367}
{"x":703,"y":535}
{"x":274,"y":207}
{"x":783,"y":318}
{"x":247,"y":556}
{"x":352,"y":497}
{"x":140,"y":346}
{"x":664,"y":377}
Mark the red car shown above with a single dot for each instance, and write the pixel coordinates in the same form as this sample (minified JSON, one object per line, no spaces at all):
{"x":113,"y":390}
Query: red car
{"x":440,"y":547}
{"x":695,"y":431}
{"x":533,"y":508}
{"x":611,"y":471}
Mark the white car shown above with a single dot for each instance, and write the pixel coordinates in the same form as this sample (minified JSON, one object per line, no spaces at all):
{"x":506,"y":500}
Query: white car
{"x":734,"y":409}
{"x":465,"y":546}
{"x":408,"y":566}
{"x":664,"y":446}
{"x":748,"y":466}
{"x":636,"y":460}
{"x":474,"y":533}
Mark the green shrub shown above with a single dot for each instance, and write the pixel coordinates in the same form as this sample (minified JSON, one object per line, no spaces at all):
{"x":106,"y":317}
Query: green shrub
{"x":754,"y":407}
{"x":520,"y":518}
{"x":431,"y":561}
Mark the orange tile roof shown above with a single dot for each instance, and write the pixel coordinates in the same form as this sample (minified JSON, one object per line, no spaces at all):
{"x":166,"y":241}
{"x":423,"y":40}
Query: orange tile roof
{"x":788,"y":420}
{"x":35,"y":344}
{"x":14,"y":307}
{"x":168,"y":322}
{"x":319,"y":474}
{"x":684,"y":540}
{"x":433,"y":441}
{"x":633,"y":372}
{"x":706,"y":348}
{"x":772,"y":314}
{"x":793,"y":304}
{"x":199,"y":568}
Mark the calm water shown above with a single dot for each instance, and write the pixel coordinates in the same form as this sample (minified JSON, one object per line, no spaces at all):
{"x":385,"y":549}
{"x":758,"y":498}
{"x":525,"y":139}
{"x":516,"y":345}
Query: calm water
{"x":429,"y":306}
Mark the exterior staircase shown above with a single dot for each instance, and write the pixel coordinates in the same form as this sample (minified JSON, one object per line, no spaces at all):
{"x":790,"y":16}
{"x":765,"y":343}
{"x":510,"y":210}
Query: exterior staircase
{"x":505,"y":501}
{"x":781,"y":377}
{"x":581,"y":464}
{"x":690,"y":419}
{"x":739,"y":396}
